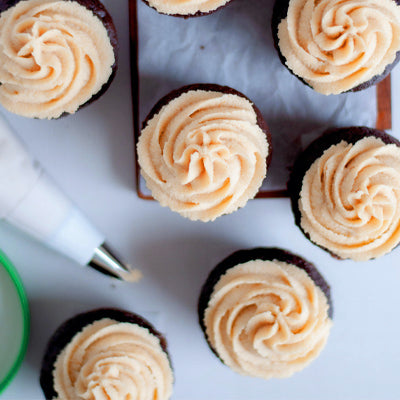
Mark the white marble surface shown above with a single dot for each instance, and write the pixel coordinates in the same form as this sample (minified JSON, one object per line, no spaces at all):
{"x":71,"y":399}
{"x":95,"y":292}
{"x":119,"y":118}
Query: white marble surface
{"x":91,"y":156}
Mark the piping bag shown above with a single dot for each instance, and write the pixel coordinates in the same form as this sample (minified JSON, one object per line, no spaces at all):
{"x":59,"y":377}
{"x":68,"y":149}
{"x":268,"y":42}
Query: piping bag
{"x":31,"y":201}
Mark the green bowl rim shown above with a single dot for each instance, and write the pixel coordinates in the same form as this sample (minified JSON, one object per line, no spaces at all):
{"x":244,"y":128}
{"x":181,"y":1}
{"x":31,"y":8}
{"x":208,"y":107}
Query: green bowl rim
{"x":16,"y":279}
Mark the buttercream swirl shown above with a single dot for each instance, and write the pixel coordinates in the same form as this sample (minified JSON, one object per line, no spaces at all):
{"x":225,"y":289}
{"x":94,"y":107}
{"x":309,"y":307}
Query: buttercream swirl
{"x":336,"y":45}
{"x":203,"y":154}
{"x":54,"y":56}
{"x":186,"y":7}
{"x":113,"y":360}
{"x":350,"y":199}
{"x":267,"y":319}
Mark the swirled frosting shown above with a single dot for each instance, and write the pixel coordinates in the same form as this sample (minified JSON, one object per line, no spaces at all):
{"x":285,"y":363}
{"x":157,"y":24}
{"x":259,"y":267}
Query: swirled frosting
{"x":186,"y":7}
{"x":267,"y":319}
{"x":113,"y":360}
{"x":350,"y":199}
{"x":203,"y":154}
{"x":336,"y":45}
{"x":54,"y":56}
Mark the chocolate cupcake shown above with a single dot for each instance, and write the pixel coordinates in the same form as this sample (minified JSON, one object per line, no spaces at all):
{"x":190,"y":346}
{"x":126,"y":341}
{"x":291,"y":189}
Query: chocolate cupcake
{"x":55,"y":55}
{"x":204,"y":151}
{"x":337,"y":46}
{"x":265,"y":312}
{"x":345,"y":193}
{"x":106,"y":353}
{"x":186,"y":8}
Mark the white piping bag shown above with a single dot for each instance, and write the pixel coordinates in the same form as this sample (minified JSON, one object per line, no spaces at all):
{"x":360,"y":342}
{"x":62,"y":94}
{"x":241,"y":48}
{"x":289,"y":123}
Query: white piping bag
{"x":31,"y":201}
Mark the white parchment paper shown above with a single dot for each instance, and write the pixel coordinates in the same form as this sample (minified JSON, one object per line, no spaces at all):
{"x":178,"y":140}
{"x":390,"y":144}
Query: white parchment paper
{"x":234,"y":47}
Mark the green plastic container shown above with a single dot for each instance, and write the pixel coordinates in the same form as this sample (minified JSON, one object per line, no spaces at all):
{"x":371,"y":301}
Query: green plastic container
{"x":14,"y":322}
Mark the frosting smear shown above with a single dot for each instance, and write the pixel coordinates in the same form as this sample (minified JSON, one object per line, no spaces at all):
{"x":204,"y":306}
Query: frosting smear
{"x":336,"y":45}
{"x":54,"y":56}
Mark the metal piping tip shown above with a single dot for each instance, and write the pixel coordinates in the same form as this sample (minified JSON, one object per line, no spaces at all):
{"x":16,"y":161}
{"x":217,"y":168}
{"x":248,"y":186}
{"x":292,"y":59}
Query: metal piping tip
{"x":104,"y":260}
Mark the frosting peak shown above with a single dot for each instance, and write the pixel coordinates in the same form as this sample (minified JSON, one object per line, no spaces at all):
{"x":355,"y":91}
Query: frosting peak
{"x":203,"y":154}
{"x":113,"y":360}
{"x":54,"y":56}
{"x":350,"y":199}
{"x":267,"y":319}
{"x":336,"y":45}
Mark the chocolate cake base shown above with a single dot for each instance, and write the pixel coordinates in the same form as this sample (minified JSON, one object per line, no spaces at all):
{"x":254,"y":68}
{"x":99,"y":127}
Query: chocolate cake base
{"x":280,"y":12}
{"x":315,"y":150}
{"x":101,"y":12}
{"x":260,"y":253}
{"x":212,"y":88}
{"x":64,"y":334}
{"x":186,"y":16}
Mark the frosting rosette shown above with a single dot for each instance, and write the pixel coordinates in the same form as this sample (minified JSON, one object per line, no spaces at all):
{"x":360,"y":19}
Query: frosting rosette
{"x":186,"y":7}
{"x":113,"y":360}
{"x":203,"y":153}
{"x":54,"y":56}
{"x":337,"y":45}
{"x":267,"y":319}
{"x":350,"y":199}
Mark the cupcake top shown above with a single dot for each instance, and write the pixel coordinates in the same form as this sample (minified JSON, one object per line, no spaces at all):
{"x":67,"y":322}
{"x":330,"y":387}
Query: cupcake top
{"x":350,"y":199}
{"x":54,"y":56}
{"x":186,"y":7}
{"x":113,"y":360}
{"x":267,"y":318}
{"x":337,"y":45}
{"x":203,"y":153}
